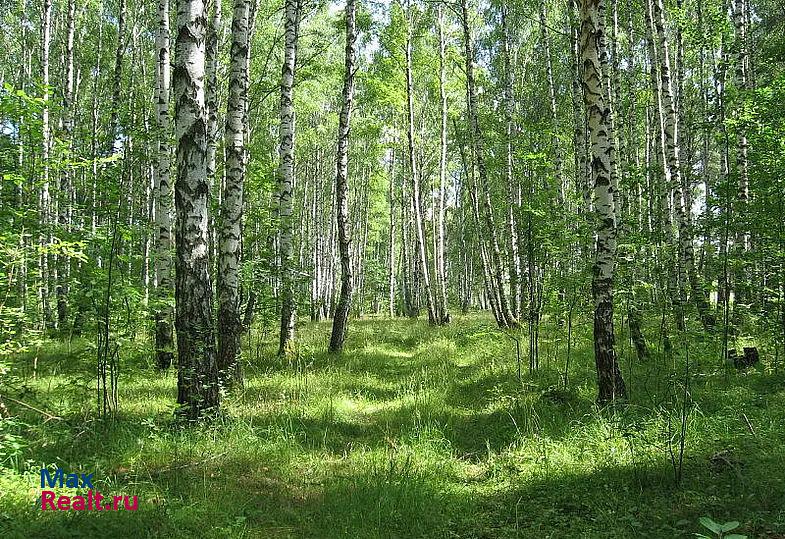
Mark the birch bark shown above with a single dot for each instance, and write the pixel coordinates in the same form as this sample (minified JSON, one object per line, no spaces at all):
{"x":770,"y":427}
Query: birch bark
{"x":475,"y":133}
{"x":164,"y":338}
{"x":45,"y":199}
{"x":286,"y":172}
{"x":610,"y":382}
{"x":442,"y":312}
{"x":197,"y":381}
{"x":230,"y":232}
{"x":422,"y":249}
{"x":341,"y":183}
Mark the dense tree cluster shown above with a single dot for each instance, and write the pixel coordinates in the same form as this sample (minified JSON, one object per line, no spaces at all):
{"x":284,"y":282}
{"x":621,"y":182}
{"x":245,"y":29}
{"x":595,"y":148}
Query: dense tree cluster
{"x":185,"y":169}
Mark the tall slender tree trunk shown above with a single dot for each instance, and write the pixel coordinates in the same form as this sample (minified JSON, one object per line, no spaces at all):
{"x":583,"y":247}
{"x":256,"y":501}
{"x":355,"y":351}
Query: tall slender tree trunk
{"x":422,"y":246}
{"x":211,"y":87}
{"x":341,"y":183}
{"x":579,"y":138}
{"x":555,"y":145}
{"x":94,"y":115}
{"x":470,"y":185}
{"x":66,"y":176}
{"x":23,"y":80}
{"x":230,"y":231}
{"x":164,"y":338}
{"x":610,"y":382}
{"x":197,"y":382}
{"x":514,"y":267}
{"x":475,"y":133}
{"x":443,"y":315}
{"x":117,"y":80}
{"x":406,"y":264}
{"x":286,"y":172}
{"x":741,"y":81}
{"x":45,"y":199}
{"x":211,"y":68}
{"x":674,"y":173}
{"x":391,"y":239}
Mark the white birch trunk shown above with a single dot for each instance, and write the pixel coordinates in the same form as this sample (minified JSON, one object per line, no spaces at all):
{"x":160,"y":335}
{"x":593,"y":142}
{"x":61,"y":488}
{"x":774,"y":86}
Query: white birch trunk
{"x":422,"y":246}
{"x":230,"y":231}
{"x":197,"y":382}
{"x":610,"y":382}
{"x":45,"y":199}
{"x":509,"y":179}
{"x":442,"y":311}
{"x":286,"y":172}
{"x":164,"y":338}
{"x":475,"y":133}
{"x":341,"y":183}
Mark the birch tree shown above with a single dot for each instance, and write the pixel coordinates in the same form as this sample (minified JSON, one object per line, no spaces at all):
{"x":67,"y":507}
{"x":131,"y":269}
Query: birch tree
{"x":45,"y":197}
{"x":476,"y":138}
{"x":673,"y":172}
{"x":197,"y":382}
{"x":66,"y":176}
{"x":742,"y":83}
{"x":230,"y":232}
{"x":212,"y":43}
{"x":442,"y":310}
{"x":117,"y":79}
{"x":341,"y":183}
{"x":609,"y":379}
{"x":514,"y":269}
{"x":164,"y":339}
{"x":286,"y":172}
{"x":422,"y":246}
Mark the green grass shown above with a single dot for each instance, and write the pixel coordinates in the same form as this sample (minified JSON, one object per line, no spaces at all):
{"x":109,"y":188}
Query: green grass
{"x":412,"y":432}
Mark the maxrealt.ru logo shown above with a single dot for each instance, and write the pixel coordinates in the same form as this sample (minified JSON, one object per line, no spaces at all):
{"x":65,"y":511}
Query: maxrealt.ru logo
{"x":93,"y":501}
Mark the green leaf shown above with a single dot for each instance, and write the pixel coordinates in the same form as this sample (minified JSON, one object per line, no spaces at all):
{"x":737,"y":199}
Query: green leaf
{"x":735,"y":536}
{"x":728,"y":526}
{"x":707,"y":522}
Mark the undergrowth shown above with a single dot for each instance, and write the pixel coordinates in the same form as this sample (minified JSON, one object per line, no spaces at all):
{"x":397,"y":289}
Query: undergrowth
{"x":413,"y":432}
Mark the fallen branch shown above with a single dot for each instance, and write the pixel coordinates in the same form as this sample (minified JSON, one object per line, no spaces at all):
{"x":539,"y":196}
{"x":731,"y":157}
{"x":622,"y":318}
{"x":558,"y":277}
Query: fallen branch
{"x":749,"y":425}
{"x":31,"y":407}
{"x":189,"y":464}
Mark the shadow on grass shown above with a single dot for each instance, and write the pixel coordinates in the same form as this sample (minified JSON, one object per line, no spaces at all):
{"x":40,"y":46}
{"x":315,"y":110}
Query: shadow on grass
{"x":408,"y":435}
{"x":395,"y":493}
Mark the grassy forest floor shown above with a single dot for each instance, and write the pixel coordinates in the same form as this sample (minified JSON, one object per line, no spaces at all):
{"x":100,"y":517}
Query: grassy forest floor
{"x":413,"y":432}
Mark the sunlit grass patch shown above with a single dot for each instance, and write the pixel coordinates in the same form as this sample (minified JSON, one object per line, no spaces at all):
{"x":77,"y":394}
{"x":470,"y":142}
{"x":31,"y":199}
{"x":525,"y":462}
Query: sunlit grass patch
{"x":412,"y":432}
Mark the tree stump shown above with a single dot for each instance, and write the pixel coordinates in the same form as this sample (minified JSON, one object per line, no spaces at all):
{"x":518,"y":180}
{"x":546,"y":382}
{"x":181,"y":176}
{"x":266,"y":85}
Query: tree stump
{"x":750,"y":357}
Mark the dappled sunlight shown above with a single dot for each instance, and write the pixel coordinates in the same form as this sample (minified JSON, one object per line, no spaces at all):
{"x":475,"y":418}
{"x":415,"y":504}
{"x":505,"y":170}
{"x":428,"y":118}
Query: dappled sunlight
{"x":408,"y":432}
